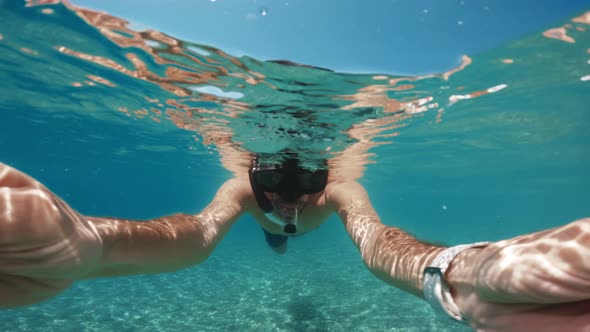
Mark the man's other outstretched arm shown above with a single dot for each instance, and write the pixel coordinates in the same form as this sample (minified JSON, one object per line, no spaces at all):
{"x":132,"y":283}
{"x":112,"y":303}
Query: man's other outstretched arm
{"x":45,"y":245}
{"x":168,"y":243}
{"x":390,"y":253}
{"x":534,"y":282}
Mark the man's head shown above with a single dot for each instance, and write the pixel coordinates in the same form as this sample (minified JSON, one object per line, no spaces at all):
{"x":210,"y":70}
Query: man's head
{"x":281,"y":188}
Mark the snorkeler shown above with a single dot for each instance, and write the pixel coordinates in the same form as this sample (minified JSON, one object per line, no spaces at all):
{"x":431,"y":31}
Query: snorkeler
{"x":534,"y":282}
{"x":281,"y":192}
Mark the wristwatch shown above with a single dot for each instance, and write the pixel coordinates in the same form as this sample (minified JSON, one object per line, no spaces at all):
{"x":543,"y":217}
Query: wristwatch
{"x":436,"y":289}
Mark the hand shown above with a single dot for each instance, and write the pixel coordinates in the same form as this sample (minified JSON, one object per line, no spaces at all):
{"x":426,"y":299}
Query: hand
{"x":536,"y":282}
{"x":44,"y":244}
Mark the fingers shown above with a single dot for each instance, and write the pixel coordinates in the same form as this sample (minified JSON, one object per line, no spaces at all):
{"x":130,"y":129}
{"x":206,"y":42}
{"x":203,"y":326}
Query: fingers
{"x":28,"y":217}
{"x":551,"y":268}
{"x":28,"y":211}
{"x":43,"y":246}
{"x":573,"y":316}
{"x":18,"y":291}
{"x":12,"y":178}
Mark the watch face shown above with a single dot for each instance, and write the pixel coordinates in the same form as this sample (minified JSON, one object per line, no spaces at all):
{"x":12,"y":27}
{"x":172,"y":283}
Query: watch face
{"x":433,"y":270}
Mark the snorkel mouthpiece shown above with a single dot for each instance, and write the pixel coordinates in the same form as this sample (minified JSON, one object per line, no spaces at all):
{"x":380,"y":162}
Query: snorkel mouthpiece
{"x":290,"y":229}
{"x":287,"y":220}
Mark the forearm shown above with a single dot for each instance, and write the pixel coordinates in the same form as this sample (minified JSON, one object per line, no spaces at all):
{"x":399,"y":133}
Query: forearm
{"x":390,"y":253}
{"x":159,"y":245}
{"x":169,"y":243}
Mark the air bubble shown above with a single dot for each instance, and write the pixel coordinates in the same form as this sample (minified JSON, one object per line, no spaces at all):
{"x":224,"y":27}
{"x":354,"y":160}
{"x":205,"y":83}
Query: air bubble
{"x":263,"y":11}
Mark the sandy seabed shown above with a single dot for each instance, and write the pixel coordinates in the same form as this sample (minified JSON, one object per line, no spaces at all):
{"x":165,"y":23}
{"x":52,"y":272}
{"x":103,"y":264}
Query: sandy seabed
{"x":242,"y":287}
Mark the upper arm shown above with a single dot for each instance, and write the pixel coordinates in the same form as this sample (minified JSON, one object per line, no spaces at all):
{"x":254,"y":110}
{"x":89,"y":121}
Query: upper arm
{"x":230,"y":201}
{"x":362,"y":223}
{"x":349,"y":198}
{"x":227,"y":206}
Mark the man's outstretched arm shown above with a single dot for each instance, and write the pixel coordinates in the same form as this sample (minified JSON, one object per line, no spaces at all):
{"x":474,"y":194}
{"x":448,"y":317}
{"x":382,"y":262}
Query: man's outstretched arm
{"x":168,"y":243}
{"x":390,"y":253}
{"x":534,"y":282}
{"x":45,"y":245}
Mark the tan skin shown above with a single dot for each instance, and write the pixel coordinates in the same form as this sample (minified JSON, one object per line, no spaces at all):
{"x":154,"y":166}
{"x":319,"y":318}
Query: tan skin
{"x":535,"y":282}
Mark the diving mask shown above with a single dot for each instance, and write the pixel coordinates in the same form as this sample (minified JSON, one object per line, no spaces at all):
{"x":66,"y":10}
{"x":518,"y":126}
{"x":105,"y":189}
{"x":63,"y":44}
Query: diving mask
{"x":289,"y":181}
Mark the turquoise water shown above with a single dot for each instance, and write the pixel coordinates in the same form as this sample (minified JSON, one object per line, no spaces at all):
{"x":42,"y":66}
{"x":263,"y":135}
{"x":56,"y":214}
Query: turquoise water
{"x":94,"y":110}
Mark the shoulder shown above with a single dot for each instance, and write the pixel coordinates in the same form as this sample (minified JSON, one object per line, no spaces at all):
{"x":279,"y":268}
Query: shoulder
{"x":236,"y":190}
{"x":338,"y":192}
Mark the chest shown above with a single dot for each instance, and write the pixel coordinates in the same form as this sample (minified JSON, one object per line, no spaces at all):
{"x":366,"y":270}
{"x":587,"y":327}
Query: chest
{"x":310,"y":218}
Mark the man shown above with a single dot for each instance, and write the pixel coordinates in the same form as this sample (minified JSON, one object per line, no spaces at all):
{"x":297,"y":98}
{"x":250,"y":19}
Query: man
{"x":283,"y":192}
{"x":535,"y":282}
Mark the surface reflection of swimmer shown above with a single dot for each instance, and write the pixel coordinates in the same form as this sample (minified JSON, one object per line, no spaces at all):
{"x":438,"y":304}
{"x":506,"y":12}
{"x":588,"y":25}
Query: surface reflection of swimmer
{"x":535,"y":282}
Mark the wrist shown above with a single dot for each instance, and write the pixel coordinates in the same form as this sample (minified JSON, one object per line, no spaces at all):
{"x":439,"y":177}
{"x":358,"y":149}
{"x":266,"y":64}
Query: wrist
{"x":437,"y":288}
{"x":463,"y":268}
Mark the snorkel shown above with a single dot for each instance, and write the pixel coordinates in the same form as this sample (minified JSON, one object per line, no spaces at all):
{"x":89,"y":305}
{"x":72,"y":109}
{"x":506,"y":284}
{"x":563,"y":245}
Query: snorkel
{"x":287,"y":182}
{"x":287,"y":220}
